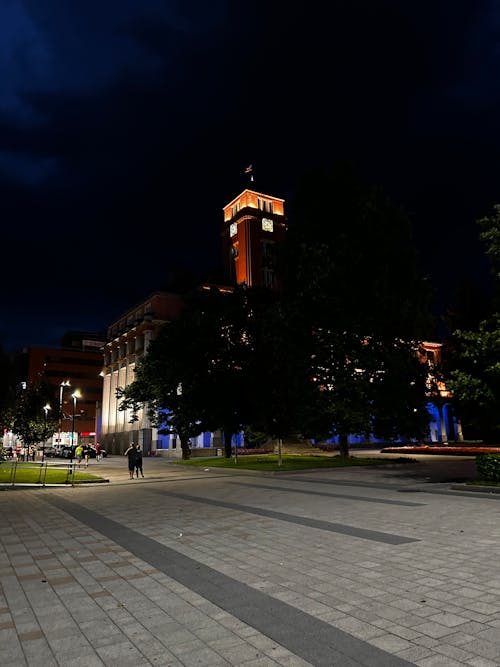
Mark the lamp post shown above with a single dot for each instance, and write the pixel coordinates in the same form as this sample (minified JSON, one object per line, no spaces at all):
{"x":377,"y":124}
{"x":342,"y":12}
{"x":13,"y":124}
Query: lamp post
{"x":46,"y":409}
{"x":75,"y":396}
{"x":63,"y":384}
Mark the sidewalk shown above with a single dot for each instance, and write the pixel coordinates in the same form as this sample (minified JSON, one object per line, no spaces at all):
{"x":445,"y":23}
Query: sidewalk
{"x":195,"y":566}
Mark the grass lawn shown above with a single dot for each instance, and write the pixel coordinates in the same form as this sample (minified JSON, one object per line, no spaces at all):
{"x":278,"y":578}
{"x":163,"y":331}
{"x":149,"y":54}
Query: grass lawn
{"x":27,"y":473}
{"x":269,"y":462}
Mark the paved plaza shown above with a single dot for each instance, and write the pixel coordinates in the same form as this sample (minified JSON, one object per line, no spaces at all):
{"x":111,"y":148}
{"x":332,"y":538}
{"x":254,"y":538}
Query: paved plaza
{"x":201,"y":567}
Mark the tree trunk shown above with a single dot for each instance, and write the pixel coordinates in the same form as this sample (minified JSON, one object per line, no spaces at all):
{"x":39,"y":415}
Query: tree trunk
{"x":227,"y":444}
{"x":343,"y":445}
{"x":186,"y":447}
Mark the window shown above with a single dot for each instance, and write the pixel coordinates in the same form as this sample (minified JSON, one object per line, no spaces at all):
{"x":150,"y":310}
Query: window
{"x":265,"y":205}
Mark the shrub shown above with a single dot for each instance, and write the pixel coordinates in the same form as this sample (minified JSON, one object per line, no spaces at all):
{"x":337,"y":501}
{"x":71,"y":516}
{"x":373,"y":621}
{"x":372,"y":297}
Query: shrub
{"x":488,"y":467}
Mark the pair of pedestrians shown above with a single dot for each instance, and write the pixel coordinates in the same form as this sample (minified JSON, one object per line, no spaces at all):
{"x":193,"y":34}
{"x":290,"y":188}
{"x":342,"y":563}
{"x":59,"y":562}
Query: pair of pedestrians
{"x":134,"y":454}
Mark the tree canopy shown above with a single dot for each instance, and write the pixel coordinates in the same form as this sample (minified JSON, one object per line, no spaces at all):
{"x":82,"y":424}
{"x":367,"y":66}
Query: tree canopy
{"x":32,"y":417}
{"x":473,"y":360}
{"x":354,"y":282}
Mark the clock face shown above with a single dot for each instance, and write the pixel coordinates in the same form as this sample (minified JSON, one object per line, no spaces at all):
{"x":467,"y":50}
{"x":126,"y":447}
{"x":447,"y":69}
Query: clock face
{"x":267,"y":225}
{"x":233,"y":229}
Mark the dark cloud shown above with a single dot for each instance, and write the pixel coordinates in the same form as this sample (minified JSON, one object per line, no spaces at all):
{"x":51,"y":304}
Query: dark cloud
{"x":125,"y":128}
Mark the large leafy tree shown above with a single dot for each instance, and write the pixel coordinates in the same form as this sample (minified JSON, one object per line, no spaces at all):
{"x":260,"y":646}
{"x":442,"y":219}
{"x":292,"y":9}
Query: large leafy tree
{"x":32,"y":416}
{"x":354,"y":284}
{"x":165,"y":383}
{"x":474,"y":353}
{"x":7,"y":390}
{"x":194,"y":375}
{"x":283,"y":392}
{"x":475,"y":379}
{"x":229,"y":347}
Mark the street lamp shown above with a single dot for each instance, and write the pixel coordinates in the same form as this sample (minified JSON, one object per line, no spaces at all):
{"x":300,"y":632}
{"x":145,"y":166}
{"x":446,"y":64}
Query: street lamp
{"x":63,"y":384}
{"x":46,"y":409}
{"x":75,"y":396}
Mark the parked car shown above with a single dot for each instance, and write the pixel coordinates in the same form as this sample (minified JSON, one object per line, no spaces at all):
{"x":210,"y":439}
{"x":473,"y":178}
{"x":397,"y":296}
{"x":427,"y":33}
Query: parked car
{"x":66,"y":452}
{"x":48,"y":452}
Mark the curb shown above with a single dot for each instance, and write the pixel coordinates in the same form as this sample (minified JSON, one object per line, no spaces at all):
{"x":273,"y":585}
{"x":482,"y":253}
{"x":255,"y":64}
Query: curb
{"x":477,"y":488}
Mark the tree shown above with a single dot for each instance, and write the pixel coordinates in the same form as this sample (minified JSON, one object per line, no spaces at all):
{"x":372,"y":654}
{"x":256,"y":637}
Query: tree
{"x":193,"y":378}
{"x":475,"y":380}
{"x":32,"y":419}
{"x":282,"y":389}
{"x":7,"y":390}
{"x":474,"y":353}
{"x":165,"y":382}
{"x":229,"y":347}
{"x":398,"y":413}
{"x":354,"y":284}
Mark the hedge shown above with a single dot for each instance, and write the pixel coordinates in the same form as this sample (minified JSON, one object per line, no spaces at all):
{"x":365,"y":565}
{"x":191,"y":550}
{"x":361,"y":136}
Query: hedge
{"x":488,"y":467}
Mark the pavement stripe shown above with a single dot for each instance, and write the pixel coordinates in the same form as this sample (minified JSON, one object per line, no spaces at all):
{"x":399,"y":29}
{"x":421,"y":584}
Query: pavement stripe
{"x":366,"y":499}
{"x":298,"y":477}
{"x":310,"y":638}
{"x":343,"y":529}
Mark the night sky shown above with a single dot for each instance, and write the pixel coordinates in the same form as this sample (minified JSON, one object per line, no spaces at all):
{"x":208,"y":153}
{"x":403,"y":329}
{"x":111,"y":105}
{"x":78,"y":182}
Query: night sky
{"x":126,"y":126}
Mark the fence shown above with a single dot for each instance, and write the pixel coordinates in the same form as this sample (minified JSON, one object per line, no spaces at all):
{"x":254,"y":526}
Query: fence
{"x":42,"y":468}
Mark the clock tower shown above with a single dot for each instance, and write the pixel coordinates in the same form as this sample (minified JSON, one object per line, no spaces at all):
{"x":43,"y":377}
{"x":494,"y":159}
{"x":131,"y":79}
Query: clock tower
{"x":254,"y":228}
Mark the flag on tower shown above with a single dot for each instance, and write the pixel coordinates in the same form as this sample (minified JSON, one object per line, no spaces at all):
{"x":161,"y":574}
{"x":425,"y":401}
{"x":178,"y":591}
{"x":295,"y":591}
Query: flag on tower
{"x":249,"y":169}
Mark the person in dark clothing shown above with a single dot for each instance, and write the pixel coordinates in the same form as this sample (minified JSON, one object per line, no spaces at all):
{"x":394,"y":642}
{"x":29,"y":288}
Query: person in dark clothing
{"x":86,"y":454}
{"x":131,"y":453}
{"x":98,"y":451}
{"x":138,"y":462}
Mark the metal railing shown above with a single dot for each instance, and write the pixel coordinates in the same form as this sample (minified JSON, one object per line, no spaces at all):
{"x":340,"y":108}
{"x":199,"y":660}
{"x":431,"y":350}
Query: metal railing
{"x":42,"y":467}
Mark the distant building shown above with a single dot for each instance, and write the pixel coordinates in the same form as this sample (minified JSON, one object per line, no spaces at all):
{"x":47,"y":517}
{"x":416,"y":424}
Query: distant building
{"x":74,"y":366}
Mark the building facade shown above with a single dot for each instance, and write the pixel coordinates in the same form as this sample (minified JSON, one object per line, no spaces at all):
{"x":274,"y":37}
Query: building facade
{"x":127,"y":340}
{"x":74,"y":368}
{"x":253,"y":229}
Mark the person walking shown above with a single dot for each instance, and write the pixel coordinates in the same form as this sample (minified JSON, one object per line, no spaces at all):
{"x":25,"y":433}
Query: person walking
{"x":86,"y":454}
{"x":98,"y":450}
{"x":138,"y":462}
{"x":131,"y":453}
{"x":79,"y":454}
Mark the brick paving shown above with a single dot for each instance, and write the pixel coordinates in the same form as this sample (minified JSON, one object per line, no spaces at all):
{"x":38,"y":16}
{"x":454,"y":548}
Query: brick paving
{"x":379,"y":567}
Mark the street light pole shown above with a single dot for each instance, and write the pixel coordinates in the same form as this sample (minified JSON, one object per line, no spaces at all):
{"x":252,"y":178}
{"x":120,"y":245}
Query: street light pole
{"x":46,"y":409}
{"x":76,"y":395}
{"x":63,"y":384}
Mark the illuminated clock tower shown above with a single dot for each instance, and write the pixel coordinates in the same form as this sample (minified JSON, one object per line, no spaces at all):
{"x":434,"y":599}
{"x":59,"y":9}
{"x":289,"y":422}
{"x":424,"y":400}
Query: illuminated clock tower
{"x":254,"y":227}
